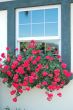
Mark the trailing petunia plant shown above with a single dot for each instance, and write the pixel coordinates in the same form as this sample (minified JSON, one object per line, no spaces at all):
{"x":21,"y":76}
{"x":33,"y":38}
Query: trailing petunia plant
{"x":34,"y":67}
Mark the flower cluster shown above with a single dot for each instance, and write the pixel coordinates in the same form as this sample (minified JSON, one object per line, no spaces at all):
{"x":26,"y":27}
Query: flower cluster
{"x":34,"y":68}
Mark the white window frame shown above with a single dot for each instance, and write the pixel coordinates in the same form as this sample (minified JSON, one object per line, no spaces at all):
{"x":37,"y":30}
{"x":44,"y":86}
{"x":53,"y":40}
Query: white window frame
{"x":44,"y":38}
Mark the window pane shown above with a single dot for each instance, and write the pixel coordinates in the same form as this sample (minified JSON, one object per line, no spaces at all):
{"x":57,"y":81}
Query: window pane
{"x":24,"y":17}
{"x":37,"y":16}
{"x":51,"y":29}
{"x":43,"y":45}
{"x":37,"y":30}
{"x":51,"y":15}
{"x":24,"y":31}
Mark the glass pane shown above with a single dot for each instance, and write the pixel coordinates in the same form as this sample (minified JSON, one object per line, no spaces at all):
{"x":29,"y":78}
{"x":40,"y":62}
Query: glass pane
{"x":51,"y":15}
{"x":37,"y":16}
{"x":43,"y":45}
{"x":51,"y":29}
{"x":24,"y":17}
{"x":37,"y":30}
{"x":24,"y":30}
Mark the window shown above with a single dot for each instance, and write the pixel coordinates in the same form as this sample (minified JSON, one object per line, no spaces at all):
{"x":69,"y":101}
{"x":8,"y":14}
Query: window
{"x":39,"y":23}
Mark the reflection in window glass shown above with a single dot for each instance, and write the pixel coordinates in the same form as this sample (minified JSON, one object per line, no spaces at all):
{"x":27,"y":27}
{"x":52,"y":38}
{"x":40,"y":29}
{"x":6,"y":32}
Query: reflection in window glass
{"x":51,"y":29}
{"x":43,"y":45}
{"x":37,"y":16}
{"x":24,"y":17}
{"x":51,"y":15}
{"x":37,"y":30}
{"x":34,"y":23}
{"x":24,"y":31}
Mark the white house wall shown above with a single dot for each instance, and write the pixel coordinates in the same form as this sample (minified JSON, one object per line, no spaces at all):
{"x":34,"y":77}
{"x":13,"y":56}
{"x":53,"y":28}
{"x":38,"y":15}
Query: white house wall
{"x":5,"y":0}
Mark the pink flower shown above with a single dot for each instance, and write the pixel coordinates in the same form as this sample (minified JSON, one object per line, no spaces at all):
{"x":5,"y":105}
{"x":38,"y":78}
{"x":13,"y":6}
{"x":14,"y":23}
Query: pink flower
{"x":58,"y":56}
{"x":9,"y":73}
{"x":20,"y":90}
{"x":5,"y":80}
{"x":67,"y":74}
{"x":56,"y":71}
{"x":27,"y":88}
{"x":15,"y":85}
{"x":31,"y":79}
{"x":56,"y":79}
{"x":8,"y":59}
{"x":3,"y":55}
{"x":40,"y":66}
{"x":19,"y":58}
{"x":49,"y":58}
{"x":64,"y":65}
{"x":25,"y":83}
{"x":34,"y":62}
{"x":15,"y":78}
{"x":51,"y":87}
{"x":7,"y":48}
{"x":50,"y":75}
{"x":44,"y":83}
{"x":38,"y":58}
{"x":37,"y":70}
{"x":15,"y":99}
{"x":6,"y":67}
{"x":50,"y":96}
{"x":44,"y":73}
{"x":16,"y":49}
{"x":0,"y":59}
{"x":34,"y":51}
{"x":59,"y":94}
{"x":1,"y":65}
{"x":13,"y":92}
{"x":38,"y":85}
{"x":26,"y":63}
{"x":20,"y":70}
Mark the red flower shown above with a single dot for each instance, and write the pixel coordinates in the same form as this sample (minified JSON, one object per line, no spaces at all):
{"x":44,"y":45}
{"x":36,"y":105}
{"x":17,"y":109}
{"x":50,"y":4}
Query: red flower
{"x":15,"y":85}
{"x":38,"y":85}
{"x":50,"y":96}
{"x":37,"y":70}
{"x":19,"y":58}
{"x":40,"y":66}
{"x":34,"y":62}
{"x":59,"y":94}
{"x":20,"y":70}
{"x":0,"y":59}
{"x":9,"y":73}
{"x":15,"y":78}
{"x":3,"y":55}
{"x":20,"y":90}
{"x":26,"y":63}
{"x":56,"y":79}
{"x":13,"y":92}
{"x":6,"y":67}
{"x":64,"y":65}
{"x":44,"y":83}
{"x":31,"y":79}
{"x":67,"y":74}
{"x":25,"y":83}
{"x":7,"y":48}
{"x":49,"y":58}
{"x":1,"y":65}
{"x":16,"y":49}
{"x":15,"y":99}
{"x":8,"y":59}
{"x":27,"y":88}
{"x":44,"y":73}
{"x":5,"y":80}
{"x":34,"y":51}
{"x":38,"y":58}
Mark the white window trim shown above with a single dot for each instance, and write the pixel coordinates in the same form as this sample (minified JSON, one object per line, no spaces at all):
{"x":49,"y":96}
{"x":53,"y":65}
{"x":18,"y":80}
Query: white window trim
{"x":18,"y":40}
